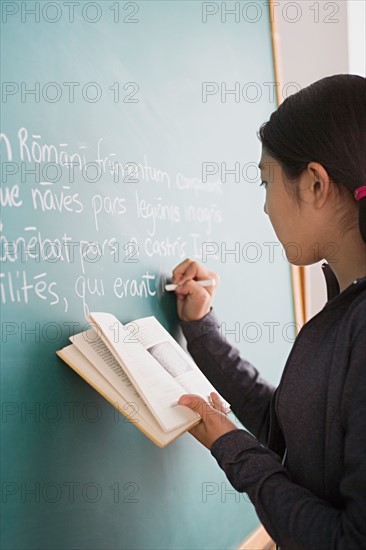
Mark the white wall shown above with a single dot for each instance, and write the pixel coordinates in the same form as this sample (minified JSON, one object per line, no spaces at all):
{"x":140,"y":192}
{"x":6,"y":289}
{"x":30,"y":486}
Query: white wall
{"x":356,"y":36}
{"x":328,"y":38}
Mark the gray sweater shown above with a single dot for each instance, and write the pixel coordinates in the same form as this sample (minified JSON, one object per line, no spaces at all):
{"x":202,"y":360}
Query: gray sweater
{"x":303,"y":464}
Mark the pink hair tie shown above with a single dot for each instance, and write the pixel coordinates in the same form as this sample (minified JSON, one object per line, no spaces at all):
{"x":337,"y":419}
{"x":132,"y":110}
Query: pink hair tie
{"x":360,"y":192}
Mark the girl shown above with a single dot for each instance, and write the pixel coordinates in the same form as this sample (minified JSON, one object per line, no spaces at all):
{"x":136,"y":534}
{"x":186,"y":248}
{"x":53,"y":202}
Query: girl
{"x":303,"y":464}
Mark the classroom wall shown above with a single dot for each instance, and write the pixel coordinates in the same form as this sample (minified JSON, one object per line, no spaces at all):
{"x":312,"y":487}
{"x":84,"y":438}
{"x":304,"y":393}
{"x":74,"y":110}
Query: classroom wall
{"x":356,"y":31}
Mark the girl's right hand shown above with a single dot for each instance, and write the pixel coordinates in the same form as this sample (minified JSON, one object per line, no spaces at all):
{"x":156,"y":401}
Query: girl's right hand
{"x":193,"y":300}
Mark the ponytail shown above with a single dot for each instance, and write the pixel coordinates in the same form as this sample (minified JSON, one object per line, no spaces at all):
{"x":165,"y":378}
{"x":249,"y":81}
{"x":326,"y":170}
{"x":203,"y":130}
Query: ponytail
{"x":362,"y":217}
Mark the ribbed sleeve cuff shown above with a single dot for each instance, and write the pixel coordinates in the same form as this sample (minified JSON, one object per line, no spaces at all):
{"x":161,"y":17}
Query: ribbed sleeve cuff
{"x":228,"y":446}
{"x":201,"y":327}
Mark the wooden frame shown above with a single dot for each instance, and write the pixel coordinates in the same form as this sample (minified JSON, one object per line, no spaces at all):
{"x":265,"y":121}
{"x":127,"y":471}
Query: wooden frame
{"x":297,"y":272}
{"x":258,"y":540}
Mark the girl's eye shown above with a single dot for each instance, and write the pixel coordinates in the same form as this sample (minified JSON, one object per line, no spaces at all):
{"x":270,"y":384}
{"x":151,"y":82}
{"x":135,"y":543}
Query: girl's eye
{"x":263,"y":183}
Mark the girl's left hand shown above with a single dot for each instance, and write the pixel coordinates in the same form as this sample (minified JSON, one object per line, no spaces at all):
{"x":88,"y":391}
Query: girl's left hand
{"x":214,"y":419}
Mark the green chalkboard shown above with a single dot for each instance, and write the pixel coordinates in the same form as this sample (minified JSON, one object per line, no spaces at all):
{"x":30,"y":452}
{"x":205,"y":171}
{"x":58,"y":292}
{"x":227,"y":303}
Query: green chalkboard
{"x":120,"y":124}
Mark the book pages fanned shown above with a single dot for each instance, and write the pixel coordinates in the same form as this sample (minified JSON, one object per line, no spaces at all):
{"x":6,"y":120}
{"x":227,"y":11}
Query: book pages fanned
{"x":142,"y":371}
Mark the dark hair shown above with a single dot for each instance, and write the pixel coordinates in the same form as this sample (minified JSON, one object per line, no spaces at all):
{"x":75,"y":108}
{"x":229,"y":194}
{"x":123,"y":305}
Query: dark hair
{"x":325,"y":123}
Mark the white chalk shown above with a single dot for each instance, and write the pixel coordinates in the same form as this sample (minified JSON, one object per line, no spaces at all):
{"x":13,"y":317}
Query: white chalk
{"x":209,"y":282}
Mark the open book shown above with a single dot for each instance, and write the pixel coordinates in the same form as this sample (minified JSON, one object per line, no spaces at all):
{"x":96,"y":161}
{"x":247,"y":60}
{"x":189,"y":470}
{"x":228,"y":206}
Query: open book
{"x":142,"y":371}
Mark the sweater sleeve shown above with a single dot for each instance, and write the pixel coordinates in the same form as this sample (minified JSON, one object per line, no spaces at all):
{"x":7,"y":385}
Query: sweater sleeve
{"x":237,"y":380}
{"x":293,"y":516}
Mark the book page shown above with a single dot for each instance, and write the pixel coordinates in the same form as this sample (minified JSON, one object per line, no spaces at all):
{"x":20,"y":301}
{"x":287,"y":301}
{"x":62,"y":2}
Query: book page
{"x":157,"y":341}
{"x":141,"y":418}
{"x":158,"y":388}
{"x":95,"y":350}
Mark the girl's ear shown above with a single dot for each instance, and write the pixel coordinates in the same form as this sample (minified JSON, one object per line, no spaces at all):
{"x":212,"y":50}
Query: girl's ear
{"x":319,"y":184}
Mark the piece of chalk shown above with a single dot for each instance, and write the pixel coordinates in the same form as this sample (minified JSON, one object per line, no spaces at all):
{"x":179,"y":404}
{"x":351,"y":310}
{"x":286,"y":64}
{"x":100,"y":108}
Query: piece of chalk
{"x":209,"y":282}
